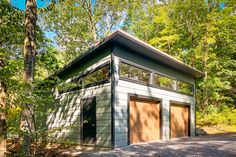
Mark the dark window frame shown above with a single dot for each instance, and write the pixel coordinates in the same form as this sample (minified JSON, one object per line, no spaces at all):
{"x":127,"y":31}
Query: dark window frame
{"x":133,"y":80}
{"x":152,"y":73}
{"x":86,"y":73}
{"x":100,"y":81}
{"x":192,"y":87}
{"x":172,"y":79}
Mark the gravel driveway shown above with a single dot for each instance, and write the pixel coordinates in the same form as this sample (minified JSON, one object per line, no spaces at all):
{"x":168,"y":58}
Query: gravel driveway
{"x":211,"y":145}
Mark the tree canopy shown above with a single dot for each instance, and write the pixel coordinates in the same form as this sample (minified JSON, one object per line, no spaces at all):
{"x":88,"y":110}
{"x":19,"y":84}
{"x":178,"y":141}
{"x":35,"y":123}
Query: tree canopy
{"x":200,"y":33}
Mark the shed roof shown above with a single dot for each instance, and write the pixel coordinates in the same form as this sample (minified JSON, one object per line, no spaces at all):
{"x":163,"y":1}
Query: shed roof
{"x":138,"y":46}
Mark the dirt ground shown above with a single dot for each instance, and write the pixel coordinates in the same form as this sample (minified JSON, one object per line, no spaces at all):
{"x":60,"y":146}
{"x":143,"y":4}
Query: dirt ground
{"x":218,"y":145}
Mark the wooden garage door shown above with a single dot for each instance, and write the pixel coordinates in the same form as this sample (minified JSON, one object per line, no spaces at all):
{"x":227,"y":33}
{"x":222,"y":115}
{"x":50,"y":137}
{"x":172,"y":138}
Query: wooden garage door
{"x":179,"y":121}
{"x":144,"y":120}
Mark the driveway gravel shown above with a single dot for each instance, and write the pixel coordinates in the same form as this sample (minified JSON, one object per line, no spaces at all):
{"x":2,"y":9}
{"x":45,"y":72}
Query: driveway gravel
{"x":212,"y":145}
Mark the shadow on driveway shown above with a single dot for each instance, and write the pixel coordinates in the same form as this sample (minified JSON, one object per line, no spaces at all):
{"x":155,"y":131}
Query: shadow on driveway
{"x":223,"y":145}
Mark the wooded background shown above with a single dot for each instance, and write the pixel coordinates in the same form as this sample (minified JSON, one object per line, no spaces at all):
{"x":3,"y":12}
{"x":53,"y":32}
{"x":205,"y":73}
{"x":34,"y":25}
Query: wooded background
{"x":200,"y":33}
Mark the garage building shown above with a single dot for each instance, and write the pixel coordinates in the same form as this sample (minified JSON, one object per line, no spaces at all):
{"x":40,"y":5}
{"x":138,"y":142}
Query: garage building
{"x":124,"y":91}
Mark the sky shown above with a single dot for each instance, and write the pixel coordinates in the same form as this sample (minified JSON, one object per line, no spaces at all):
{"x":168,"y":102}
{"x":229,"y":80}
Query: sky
{"x":20,"y":4}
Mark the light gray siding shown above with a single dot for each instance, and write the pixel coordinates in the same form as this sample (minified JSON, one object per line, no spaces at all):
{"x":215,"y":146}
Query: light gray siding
{"x":87,"y":64}
{"x":128,"y":55}
{"x":64,"y":119}
{"x":121,"y":104}
{"x":112,"y":98}
{"x":123,"y":88}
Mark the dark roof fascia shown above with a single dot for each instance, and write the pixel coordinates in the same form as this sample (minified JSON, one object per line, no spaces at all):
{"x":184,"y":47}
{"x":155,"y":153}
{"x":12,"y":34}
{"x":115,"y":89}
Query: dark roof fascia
{"x":93,"y":49}
{"x":121,"y":37}
{"x":152,"y":52}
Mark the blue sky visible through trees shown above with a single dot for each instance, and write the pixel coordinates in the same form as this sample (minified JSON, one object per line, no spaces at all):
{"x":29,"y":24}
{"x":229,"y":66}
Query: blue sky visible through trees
{"x":20,"y":4}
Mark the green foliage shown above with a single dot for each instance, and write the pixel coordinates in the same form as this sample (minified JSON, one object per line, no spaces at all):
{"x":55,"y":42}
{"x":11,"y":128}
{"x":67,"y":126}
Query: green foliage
{"x":80,"y":24}
{"x":48,"y":62}
{"x":11,"y":53}
{"x":222,"y":115}
{"x":11,"y":26}
{"x":200,"y":34}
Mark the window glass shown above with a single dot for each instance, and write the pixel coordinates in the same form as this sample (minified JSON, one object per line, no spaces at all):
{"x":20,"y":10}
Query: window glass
{"x":163,"y":81}
{"x":70,"y":86}
{"x":101,"y":74}
{"x":134,"y":73}
{"x":185,"y":87}
{"x":138,"y":74}
{"x":124,"y":70}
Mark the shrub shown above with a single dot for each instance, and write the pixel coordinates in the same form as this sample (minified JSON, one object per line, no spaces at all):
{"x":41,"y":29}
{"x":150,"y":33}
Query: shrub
{"x":212,"y":115}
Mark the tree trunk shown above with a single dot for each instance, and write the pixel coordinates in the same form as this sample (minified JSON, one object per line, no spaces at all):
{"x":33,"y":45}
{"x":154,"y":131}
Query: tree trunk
{"x":30,"y":41}
{"x":2,"y":119}
{"x":29,"y":64}
{"x":3,"y":130}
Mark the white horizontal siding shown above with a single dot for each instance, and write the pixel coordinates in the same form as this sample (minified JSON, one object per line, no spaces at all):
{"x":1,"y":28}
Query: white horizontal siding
{"x":103,"y":123}
{"x":101,"y":130}
{"x":103,"y":143}
{"x":88,"y":65}
{"x":150,"y":64}
{"x":124,"y":88}
{"x":66,"y":115}
{"x":100,"y":62}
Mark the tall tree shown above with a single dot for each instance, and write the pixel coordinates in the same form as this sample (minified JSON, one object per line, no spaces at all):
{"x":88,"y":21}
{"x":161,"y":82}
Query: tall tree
{"x":29,"y":65}
{"x":80,"y":24}
{"x":2,"y":113}
{"x":12,"y":65}
{"x":200,"y":34}
{"x":30,"y":40}
{"x":10,"y":46}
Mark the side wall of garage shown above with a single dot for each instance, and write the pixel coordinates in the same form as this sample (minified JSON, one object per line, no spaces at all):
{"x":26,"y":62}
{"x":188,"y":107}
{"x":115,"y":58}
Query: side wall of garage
{"x":124,"y":88}
{"x":64,"y":117}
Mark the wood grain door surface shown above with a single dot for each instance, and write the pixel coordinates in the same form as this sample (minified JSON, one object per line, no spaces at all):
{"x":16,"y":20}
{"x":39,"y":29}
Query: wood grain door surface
{"x":144,"y":120}
{"x":179,"y":121}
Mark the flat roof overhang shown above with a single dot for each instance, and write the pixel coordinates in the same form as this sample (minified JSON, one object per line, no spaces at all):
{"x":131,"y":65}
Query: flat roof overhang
{"x":138,"y":46}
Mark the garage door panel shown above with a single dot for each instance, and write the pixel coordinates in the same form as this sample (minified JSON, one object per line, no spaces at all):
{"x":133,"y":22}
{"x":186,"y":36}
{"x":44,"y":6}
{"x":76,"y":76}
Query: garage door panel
{"x":179,"y":121}
{"x":144,"y":120}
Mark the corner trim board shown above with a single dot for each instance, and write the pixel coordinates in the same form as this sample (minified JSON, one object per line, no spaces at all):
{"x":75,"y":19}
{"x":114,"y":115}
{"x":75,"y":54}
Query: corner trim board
{"x":112,"y":99}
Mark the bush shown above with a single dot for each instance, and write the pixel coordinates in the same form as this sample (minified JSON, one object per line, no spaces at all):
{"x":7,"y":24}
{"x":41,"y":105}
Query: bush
{"x":212,"y":115}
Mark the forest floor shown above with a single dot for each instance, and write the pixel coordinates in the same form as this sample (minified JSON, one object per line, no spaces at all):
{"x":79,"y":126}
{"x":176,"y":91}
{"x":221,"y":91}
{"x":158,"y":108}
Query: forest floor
{"x":222,"y":145}
{"x":219,"y":141}
{"x":219,"y":129}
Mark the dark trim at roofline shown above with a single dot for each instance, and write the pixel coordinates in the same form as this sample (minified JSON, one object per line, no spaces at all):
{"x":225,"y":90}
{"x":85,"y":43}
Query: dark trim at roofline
{"x":77,"y":60}
{"x":121,"y":37}
{"x":104,"y":42}
{"x":143,"y":48}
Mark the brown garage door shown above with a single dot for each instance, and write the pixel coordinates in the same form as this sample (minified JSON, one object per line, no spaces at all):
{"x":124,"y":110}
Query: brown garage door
{"x":179,"y":121}
{"x":144,"y":120}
